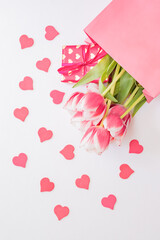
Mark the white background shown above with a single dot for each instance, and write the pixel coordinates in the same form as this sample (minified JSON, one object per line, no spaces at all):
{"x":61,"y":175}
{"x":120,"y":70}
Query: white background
{"x":27,"y":214}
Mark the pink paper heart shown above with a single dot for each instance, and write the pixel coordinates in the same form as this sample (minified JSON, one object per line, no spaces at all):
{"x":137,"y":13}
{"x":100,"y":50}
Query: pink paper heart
{"x":44,"y":134}
{"x":135,"y":147}
{"x":57,"y":96}
{"x":20,"y":160}
{"x":68,"y":152}
{"x":83,"y":182}
{"x":61,"y":212}
{"x":109,"y":201}
{"x":51,"y":33}
{"x":26,"y":42}
{"x":46,"y":185}
{"x":26,"y":84}
{"x":43,"y":64}
{"x":21,"y":113}
{"x":126,"y":171}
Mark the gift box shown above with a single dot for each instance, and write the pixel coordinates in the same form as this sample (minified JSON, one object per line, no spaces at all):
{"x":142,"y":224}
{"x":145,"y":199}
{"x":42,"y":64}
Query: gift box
{"x":128,"y":31}
{"x":77,"y":60}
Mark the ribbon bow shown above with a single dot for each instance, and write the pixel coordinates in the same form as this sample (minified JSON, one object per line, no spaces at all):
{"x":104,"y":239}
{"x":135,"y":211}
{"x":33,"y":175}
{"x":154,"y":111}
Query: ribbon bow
{"x":86,"y":62}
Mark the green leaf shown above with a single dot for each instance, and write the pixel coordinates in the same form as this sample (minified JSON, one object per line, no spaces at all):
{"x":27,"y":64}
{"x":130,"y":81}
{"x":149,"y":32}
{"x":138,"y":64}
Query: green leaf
{"x":117,"y":87}
{"x":110,"y":97}
{"x":111,"y":67}
{"x":95,"y":72}
{"x":105,"y":75}
{"x":126,"y":83}
{"x":138,"y":106}
{"x":102,"y":87}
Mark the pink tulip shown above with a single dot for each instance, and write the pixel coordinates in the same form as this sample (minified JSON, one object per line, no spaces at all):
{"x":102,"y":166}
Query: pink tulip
{"x":96,"y":138}
{"x":88,"y":109}
{"x":93,"y":107}
{"x":115,"y":125}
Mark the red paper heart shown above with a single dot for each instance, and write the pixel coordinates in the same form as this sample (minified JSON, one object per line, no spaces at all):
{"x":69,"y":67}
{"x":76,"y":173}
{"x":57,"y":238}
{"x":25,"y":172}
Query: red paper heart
{"x":61,"y":212}
{"x":135,"y":147}
{"x":44,"y":134}
{"x":21,"y":113}
{"x":20,"y":160}
{"x":51,"y":33}
{"x":57,"y":96}
{"x":46,"y":185}
{"x":83,"y":182}
{"x":109,"y":201}
{"x":126,"y":171}
{"x":26,"y":84}
{"x":26,"y":42}
{"x":68,"y":152}
{"x":43,"y":64}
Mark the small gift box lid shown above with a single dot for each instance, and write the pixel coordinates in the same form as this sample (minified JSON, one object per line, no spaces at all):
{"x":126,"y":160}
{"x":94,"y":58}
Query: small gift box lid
{"x":128,"y":30}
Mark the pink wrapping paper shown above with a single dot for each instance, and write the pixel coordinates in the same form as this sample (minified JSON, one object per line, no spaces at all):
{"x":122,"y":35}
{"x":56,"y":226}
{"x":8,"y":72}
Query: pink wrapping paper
{"x":77,"y":60}
{"x":128,"y":30}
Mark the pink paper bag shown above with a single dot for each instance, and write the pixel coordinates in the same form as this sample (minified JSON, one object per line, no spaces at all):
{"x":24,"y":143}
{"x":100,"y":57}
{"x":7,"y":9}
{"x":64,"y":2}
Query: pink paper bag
{"x":128,"y":30}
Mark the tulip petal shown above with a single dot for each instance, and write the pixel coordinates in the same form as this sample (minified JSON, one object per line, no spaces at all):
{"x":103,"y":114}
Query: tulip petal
{"x":90,"y":102}
{"x":117,"y":110}
{"x":88,"y":136}
{"x":95,"y":116}
{"x":68,"y":104}
{"x":72,"y":102}
{"x":101,"y":140}
{"x":113,"y":123}
{"x":120,"y":135}
{"x":96,"y":138}
{"x":85,"y":125}
{"x":78,"y":116}
{"x":100,"y":110}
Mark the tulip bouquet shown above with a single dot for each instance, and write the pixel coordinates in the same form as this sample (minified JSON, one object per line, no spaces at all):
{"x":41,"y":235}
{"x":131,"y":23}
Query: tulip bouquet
{"x":104,"y":112}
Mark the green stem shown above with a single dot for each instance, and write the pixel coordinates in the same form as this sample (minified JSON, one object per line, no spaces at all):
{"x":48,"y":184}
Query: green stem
{"x":133,"y":105}
{"x":113,"y":82}
{"x":112,"y":92}
{"x":115,"y":76}
{"x":131,"y":96}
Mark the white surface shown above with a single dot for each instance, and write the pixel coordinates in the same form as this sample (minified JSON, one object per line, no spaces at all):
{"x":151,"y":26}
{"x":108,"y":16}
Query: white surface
{"x":27,"y":214}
